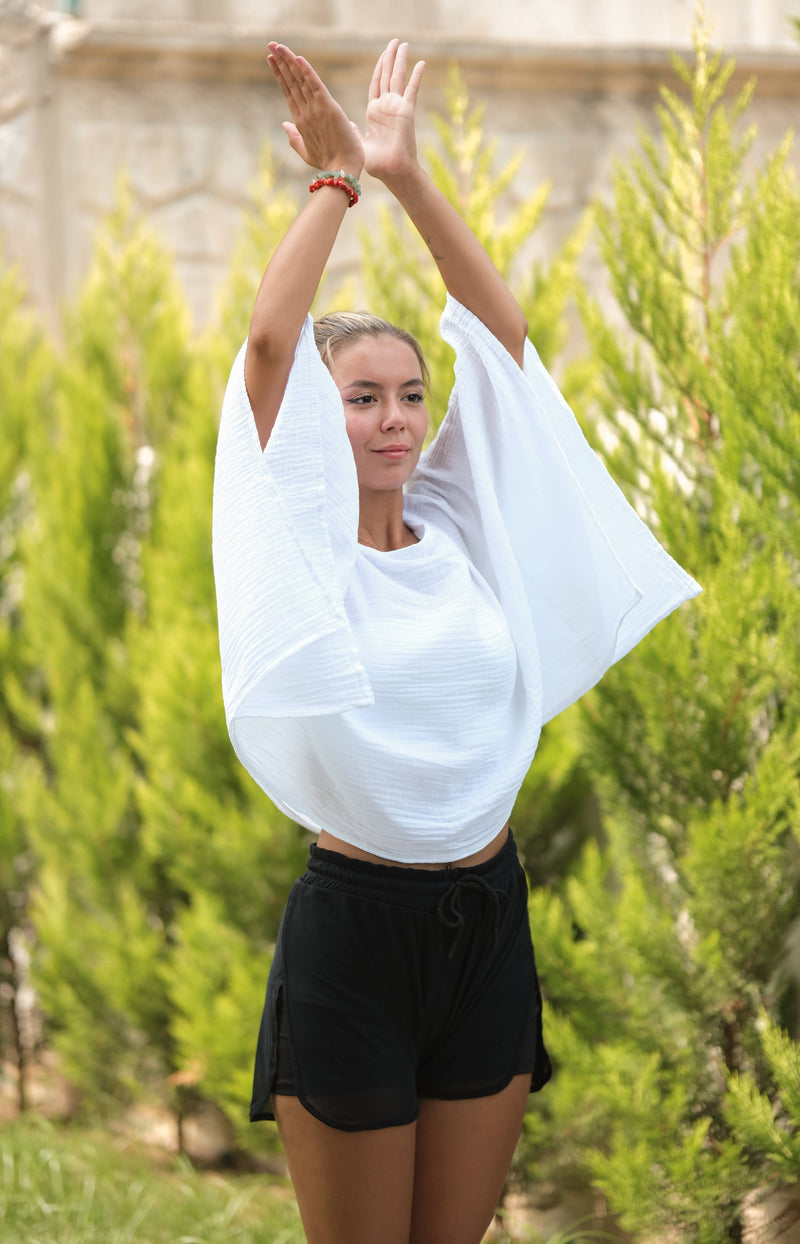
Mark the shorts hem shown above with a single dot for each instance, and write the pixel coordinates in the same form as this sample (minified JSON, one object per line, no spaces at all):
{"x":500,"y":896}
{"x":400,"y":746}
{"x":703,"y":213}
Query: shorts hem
{"x":495,"y":1087}
{"x":265,"y":1115}
{"x":261,"y":1114}
{"x":538,"y":1076}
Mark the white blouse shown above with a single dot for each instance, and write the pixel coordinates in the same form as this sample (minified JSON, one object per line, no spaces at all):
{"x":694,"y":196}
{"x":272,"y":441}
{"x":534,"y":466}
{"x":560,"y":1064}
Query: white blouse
{"x":396,"y":699}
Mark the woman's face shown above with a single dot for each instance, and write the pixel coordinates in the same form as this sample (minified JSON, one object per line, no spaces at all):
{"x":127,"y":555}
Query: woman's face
{"x":383,"y":394}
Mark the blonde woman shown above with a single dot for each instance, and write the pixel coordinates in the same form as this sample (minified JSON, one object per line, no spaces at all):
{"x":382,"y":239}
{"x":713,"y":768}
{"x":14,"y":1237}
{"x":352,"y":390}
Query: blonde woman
{"x":395,"y":628}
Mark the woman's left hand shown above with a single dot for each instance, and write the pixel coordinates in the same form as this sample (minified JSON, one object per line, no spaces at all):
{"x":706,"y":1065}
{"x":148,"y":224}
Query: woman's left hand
{"x":390,"y":147}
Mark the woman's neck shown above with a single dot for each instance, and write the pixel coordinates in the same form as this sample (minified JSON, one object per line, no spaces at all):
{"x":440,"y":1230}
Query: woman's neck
{"x":380,"y":522}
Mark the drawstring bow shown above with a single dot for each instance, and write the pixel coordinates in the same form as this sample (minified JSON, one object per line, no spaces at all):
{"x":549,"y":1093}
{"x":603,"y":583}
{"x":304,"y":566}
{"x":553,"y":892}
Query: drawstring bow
{"x":451,"y":913}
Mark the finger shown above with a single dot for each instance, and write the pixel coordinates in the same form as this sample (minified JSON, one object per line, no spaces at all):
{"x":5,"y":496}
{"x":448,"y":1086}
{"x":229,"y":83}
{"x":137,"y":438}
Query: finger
{"x":312,"y":82}
{"x":291,"y":74}
{"x":411,"y":90}
{"x":398,"y":80}
{"x":284,"y":83}
{"x":388,"y":66}
{"x":274,"y":65}
{"x":288,"y":80}
{"x":273,"y":60}
{"x":375,"y":82}
{"x":284,"y":54}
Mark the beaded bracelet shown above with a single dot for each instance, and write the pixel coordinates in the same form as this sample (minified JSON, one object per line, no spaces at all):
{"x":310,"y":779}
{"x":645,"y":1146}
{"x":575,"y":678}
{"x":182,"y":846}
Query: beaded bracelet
{"x":345,"y":181}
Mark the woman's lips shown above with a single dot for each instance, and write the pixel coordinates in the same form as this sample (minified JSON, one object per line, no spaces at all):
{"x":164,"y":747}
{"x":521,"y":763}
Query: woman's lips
{"x":394,"y":452}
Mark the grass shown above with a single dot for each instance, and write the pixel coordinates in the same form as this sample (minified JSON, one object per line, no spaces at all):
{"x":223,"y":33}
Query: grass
{"x":72,"y":1186}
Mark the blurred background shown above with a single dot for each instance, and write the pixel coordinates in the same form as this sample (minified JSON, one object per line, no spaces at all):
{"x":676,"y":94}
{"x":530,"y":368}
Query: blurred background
{"x":632,"y":172}
{"x":179,"y":95}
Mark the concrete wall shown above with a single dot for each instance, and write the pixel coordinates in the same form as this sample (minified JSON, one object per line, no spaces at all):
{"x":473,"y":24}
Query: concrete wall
{"x":185,"y":103}
{"x":738,"y":23}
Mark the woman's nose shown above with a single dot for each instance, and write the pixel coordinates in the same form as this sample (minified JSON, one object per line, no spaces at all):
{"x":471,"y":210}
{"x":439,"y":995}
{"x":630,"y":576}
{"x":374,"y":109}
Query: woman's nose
{"x":393,"y":415}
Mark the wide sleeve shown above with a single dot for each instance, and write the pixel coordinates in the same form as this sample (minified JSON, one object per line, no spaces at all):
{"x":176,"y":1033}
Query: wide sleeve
{"x":285,"y":533}
{"x":511,"y":476}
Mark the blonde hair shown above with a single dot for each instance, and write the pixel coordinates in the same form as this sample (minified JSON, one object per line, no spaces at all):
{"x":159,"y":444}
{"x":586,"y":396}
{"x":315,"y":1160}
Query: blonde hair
{"x":342,"y":328}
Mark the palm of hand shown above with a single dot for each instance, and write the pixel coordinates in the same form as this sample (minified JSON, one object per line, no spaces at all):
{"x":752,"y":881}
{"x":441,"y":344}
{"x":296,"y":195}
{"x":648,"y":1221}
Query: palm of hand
{"x":390,"y":148}
{"x":389,"y":142}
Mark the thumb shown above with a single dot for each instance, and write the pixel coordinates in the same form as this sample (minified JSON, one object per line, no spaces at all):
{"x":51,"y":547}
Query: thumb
{"x":295,"y":139}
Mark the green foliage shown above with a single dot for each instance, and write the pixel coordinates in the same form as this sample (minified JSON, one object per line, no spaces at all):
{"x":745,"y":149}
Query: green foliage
{"x":769,"y":1122}
{"x":130,"y":327}
{"x":26,"y":363}
{"x":26,"y":392}
{"x":216,"y":989}
{"x":74,"y":1187}
{"x":665,"y":947}
{"x":264,"y":225}
{"x":576,"y":1234}
{"x":95,"y":975}
{"x":688,"y":1171}
{"x":125,"y":365}
{"x":556,"y":808}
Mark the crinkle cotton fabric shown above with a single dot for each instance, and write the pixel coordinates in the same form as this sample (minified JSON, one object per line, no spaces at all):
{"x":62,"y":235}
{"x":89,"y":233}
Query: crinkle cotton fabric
{"x":396,"y":699}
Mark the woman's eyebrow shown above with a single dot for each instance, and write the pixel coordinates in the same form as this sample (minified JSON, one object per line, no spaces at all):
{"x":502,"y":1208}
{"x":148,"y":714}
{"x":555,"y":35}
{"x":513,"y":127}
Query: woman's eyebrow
{"x":374,"y":384}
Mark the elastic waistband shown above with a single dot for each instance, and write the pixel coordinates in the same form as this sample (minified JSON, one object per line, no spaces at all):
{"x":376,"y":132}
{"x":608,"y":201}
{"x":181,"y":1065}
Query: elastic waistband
{"x":393,"y":880}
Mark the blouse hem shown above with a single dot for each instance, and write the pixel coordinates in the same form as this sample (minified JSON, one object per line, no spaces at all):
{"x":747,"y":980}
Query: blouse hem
{"x":458,"y":849}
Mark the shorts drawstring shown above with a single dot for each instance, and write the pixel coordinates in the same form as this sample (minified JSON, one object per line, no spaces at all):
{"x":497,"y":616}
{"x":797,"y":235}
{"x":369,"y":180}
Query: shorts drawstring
{"x":451,"y":913}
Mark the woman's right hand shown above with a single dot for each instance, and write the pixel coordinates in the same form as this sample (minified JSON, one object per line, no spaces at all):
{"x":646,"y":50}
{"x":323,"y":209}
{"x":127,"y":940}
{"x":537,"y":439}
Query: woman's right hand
{"x":320,"y":131}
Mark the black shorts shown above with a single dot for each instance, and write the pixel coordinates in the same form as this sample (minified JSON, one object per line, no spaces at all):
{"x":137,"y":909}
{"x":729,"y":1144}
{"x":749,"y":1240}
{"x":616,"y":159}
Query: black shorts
{"x":389,"y":984}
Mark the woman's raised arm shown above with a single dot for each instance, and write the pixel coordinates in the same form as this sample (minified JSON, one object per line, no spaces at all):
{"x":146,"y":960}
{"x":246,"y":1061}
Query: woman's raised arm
{"x":390,"y":154}
{"x":325,"y":139}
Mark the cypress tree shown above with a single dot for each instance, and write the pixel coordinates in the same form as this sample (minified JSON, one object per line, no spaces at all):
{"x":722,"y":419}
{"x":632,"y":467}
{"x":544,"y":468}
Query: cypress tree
{"x":25,"y":397}
{"x":98,"y":926}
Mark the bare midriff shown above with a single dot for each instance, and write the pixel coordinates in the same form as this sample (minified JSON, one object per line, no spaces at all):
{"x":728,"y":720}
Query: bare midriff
{"x":330,"y":842}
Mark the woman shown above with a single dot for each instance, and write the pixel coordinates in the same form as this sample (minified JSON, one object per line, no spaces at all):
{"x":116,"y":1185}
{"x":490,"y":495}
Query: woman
{"x":395,"y":629}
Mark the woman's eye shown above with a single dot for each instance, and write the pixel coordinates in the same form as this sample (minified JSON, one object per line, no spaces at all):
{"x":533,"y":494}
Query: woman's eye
{"x":363,"y":399}
{"x":414,"y":398}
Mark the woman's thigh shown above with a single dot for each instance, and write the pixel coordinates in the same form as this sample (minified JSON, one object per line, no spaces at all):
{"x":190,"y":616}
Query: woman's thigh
{"x":351,"y":1187}
{"x":463,"y":1150}
{"x":436,"y":1181}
